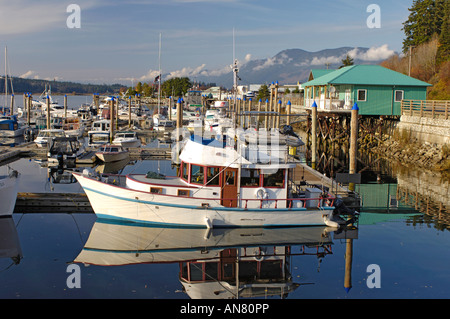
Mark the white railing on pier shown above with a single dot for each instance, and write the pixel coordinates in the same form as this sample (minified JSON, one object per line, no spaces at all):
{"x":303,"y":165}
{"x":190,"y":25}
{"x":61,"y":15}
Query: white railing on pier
{"x":426,"y":108}
{"x":329,"y":104}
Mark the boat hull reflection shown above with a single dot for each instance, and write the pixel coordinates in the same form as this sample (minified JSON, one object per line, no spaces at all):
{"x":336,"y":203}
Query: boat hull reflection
{"x":214,"y":263}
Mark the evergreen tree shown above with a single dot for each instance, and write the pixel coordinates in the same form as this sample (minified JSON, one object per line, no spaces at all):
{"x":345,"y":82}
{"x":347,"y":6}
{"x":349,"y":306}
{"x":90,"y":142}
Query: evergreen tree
{"x":347,"y":61}
{"x":263,"y":93}
{"x":425,"y":20}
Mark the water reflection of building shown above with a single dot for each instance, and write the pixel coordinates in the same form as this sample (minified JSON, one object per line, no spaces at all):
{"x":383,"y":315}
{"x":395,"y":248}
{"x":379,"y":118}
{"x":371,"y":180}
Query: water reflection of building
{"x":215,"y":263}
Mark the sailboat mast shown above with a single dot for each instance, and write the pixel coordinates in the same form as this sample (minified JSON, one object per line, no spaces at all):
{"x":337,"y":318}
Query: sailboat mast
{"x":159,"y":77}
{"x":6,"y":81}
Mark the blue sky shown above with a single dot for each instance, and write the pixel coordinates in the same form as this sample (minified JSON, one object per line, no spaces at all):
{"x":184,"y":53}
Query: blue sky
{"x":118,"y":40}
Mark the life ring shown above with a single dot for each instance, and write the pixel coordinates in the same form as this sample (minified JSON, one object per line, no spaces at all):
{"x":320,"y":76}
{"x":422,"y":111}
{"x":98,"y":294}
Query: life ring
{"x":261,"y":193}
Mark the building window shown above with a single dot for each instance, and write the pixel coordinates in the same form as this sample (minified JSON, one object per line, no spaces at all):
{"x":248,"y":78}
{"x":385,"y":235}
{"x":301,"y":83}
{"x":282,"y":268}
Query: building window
{"x":399,"y":96}
{"x":362,"y":95}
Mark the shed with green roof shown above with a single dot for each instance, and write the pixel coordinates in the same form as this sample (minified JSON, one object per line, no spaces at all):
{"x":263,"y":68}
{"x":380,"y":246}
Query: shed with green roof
{"x":376,"y":90}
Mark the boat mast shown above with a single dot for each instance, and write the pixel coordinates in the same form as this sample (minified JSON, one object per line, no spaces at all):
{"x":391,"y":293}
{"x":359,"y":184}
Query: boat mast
{"x":6,"y":81}
{"x":159,"y":77}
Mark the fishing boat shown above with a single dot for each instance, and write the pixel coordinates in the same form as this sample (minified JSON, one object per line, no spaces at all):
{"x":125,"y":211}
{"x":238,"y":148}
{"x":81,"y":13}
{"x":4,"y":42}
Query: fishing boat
{"x":127,"y":139}
{"x":111,"y":153}
{"x":44,"y":136}
{"x":8,"y":193}
{"x":224,"y":182}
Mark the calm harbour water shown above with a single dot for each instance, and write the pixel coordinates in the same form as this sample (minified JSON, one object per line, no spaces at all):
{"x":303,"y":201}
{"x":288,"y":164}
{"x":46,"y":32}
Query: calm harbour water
{"x":411,"y":250}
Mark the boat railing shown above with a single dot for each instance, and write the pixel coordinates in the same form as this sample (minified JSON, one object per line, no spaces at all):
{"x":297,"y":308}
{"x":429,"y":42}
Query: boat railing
{"x":322,"y":202}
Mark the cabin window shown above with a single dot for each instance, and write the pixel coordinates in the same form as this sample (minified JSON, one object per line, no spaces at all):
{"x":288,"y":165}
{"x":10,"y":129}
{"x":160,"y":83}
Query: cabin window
{"x":230,"y":178}
{"x":197,"y":174}
{"x":184,"y":171}
{"x":183,"y":192}
{"x":399,"y":95}
{"x":213,"y":176}
{"x":156,"y":190}
{"x":362,"y":95}
{"x":274,"y":180}
{"x":250,"y":178}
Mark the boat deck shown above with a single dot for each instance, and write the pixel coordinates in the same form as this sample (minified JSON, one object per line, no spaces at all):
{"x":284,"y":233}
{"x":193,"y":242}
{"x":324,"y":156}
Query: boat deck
{"x":168,"y":181}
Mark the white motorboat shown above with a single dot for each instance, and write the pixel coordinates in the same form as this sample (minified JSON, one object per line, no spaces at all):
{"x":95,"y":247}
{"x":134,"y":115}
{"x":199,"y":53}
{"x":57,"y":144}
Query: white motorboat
{"x":11,"y":127}
{"x":111,"y":153}
{"x":64,"y":151}
{"x":8,"y":193}
{"x":225,"y":182}
{"x":99,"y":132}
{"x":127,"y":139}
{"x":44,"y":136}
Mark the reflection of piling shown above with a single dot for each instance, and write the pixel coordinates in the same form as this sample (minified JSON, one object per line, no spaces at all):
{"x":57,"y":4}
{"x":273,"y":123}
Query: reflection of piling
{"x":353,"y":143}
{"x":348,"y":264}
{"x":313,"y":134}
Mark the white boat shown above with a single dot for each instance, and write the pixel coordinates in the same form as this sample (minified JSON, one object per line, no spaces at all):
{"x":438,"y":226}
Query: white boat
{"x":99,"y":132}
{"x":44,"y":136}
{"x":127,"y":139}
{"x":216,"y":263}
{"x":64,"y":151}
{"x":111,"y":153}
{"x":220,"y":184}
{"x":8,"y":193}
{"x":11,"y":127}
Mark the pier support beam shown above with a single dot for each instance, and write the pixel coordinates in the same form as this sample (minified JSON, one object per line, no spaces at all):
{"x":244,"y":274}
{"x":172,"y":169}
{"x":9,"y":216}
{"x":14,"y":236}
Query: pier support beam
{"x":353,"y":142}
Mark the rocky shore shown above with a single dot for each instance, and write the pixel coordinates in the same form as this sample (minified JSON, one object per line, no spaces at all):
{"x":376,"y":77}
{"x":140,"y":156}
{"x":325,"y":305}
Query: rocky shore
{"x":429,"y":156}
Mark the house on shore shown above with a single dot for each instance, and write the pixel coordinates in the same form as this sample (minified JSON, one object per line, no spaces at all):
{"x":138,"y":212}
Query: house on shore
{"x":376,"y":89}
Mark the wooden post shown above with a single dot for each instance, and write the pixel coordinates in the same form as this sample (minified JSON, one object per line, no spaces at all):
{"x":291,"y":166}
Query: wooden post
{"x":111,"y":120}
{"x":48,"y":112}
{"x":266,"y":123}
{"x":279,"y":113}
{"x":29,"y":102}
{"x":249,"y":109}
{"x":170,"y":107}
{"x":65,"y":105}
{"x":129,"y":112}
{"x":313,"y":134}
{"x":353,"y":142}
{"x":288,"y":111}
{"x":12,"y":105}
{"x":258,"y":117}
{"x":179,"y":114}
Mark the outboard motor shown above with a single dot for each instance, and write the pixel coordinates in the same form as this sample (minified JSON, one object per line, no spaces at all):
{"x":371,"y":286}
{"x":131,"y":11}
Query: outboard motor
{"x":288,"y":130}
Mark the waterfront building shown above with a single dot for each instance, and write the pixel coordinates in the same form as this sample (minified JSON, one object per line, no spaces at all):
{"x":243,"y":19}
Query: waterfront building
{"x":376,"y":90}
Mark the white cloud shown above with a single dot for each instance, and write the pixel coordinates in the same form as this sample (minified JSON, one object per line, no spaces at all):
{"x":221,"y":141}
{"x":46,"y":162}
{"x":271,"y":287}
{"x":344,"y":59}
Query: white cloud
{"x":187,"y":71}
{"x":325,"y":60}
{"x":268,"y":63}
{"x":373,"y":54}
{"x":29,"y":75}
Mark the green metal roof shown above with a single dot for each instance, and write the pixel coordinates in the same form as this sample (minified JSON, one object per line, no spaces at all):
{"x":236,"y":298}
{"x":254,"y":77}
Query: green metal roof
{"x":316,"y":73}
{"x":366,"y":75}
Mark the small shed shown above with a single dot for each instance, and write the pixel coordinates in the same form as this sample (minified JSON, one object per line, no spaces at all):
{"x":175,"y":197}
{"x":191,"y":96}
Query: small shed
{"x":376,"y":89}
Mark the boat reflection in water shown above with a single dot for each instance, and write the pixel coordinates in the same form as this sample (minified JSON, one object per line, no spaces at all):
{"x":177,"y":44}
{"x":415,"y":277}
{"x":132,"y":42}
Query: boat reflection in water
{"x":213,"y":263}
{"x":9,"y":241}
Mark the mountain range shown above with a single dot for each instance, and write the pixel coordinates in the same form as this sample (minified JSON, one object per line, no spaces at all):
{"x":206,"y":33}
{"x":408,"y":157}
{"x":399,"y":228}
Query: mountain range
{"x":294,"y":65}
